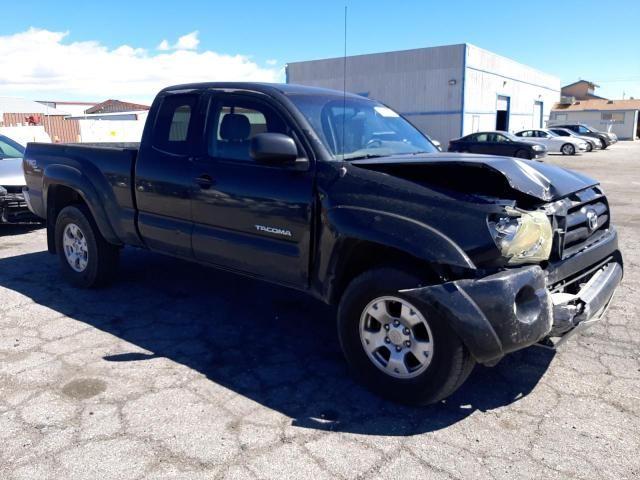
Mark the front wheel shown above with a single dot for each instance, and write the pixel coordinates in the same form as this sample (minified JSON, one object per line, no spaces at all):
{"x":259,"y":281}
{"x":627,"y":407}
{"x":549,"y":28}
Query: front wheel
{"x":589,"y":147}
{"x":568,"y":149}
{"x":394,"y":344}
{"x":523,"y":154}
{"x":86,"y":258}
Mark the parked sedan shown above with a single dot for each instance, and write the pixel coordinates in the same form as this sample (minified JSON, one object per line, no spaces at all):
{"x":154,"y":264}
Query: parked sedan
{"x":592,"y":143}
{"x":13,"y":208}
{"x":582,"y":129}
{"x":553,"y":142}
{"x":498,"y":143}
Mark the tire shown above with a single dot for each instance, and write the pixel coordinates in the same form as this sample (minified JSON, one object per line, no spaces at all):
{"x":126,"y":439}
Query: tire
{"x":87,"y":260}
{"x":523,"y":154}
{"x":443,"y":371}
{"x":568,"y":149}
{"x":589,"y":147}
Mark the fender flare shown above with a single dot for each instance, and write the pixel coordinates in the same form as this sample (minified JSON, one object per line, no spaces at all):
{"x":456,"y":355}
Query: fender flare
{"x":72,"y":178}
{"x":411,"y":236}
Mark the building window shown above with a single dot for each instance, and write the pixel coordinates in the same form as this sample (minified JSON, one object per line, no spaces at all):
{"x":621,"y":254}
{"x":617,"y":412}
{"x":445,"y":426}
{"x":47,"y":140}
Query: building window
{"x":560,"y":116}
{"x":613,"y":117}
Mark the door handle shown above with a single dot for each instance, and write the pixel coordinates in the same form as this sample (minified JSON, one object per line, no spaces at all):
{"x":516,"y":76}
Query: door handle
{"x":204,"y":181}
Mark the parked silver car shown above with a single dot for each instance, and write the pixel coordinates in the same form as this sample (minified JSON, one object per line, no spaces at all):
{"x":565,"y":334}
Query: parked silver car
{"x":13,"y":208}
{"x":565,"y":132}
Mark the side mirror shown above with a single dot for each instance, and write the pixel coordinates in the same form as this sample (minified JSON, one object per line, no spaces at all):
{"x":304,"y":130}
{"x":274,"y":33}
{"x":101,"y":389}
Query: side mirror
{"x":274,"y":148}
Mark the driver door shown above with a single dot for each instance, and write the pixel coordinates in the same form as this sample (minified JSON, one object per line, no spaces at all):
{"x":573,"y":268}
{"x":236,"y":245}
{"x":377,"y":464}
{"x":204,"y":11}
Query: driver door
{"x":250,"y":217}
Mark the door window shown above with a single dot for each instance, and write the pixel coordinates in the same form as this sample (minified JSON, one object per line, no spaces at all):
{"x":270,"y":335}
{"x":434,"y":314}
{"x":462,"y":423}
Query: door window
{"x":172,"y":124}
{"x":236,"y":122}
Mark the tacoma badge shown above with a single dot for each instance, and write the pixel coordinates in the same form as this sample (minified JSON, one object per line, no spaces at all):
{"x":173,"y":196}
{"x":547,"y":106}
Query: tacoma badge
{"x":276,"y":230}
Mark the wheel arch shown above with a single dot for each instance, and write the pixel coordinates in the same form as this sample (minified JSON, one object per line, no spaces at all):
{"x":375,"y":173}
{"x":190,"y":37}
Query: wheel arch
{"x":367,"y":239}
{"x":64,"y":186}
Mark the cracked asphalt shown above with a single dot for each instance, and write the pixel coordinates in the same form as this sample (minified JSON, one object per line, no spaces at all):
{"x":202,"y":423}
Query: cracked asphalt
{"x":182,"y":372}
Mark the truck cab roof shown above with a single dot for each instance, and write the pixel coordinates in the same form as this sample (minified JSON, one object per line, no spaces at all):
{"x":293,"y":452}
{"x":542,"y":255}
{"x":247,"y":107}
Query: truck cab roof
{"x":267,"y":88}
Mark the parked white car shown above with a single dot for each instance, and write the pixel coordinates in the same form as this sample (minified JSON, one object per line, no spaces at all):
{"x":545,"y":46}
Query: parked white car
{"x":554,"y":143}
{"x":592,"y":142}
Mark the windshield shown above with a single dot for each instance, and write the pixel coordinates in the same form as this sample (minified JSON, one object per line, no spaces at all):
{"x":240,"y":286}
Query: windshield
{"x":353,"y":128}
{"x":10,"y":149}
{"x":512,"y":137}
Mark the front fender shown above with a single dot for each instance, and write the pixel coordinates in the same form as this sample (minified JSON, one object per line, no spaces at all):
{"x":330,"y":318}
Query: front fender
{"x":72,"y":178}
{"x":402,"y":233}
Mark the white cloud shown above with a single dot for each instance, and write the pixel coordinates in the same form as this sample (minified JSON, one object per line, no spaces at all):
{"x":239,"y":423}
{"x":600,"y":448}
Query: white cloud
{"x":190,"y":41}
{"x":42,"y":64}
{"x":271,"y":62}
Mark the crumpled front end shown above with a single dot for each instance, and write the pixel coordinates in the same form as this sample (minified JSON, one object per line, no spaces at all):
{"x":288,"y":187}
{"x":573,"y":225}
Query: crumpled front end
{"x":518,"y":307}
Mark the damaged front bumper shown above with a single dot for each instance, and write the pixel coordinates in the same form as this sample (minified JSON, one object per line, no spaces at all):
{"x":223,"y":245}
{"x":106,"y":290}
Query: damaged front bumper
{"x":14,"y":208}
{"x":516,"y":308}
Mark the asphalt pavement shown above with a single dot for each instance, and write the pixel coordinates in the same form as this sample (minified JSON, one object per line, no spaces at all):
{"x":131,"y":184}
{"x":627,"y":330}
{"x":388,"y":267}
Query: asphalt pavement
{"x":177,"y":371}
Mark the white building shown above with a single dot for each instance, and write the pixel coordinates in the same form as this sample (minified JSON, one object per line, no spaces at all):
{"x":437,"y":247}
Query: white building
{"x":115,"y":127}
{"x":447,"y":91}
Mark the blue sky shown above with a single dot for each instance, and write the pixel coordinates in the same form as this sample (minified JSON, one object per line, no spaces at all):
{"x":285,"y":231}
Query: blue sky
{"x":572,"y":39}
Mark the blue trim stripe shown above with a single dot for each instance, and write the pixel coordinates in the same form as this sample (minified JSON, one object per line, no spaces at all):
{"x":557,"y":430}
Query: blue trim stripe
{"x":464,"y":86}
{"x":442,"y":112}
{"x":494,"y":112}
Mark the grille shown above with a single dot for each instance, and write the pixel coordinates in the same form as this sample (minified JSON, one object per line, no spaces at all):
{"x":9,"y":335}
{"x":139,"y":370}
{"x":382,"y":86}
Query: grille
{"x":581,"y":222}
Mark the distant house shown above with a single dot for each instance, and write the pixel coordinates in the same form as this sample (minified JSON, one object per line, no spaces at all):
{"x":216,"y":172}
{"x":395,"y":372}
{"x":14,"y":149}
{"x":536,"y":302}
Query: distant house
{"x":581,"y":90}
{"x":618,"y":116}
{"x":115,"y":106}
{"x":20,"y":112}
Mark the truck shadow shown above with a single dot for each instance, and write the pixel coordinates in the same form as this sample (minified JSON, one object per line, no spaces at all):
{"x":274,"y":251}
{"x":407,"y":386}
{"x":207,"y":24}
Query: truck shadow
{"x":275,"y":346}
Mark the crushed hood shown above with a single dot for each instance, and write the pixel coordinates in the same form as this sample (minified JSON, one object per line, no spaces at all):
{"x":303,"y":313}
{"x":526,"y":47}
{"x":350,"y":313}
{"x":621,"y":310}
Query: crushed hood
{"x":11,"y":174}
{"x":539,"y":180}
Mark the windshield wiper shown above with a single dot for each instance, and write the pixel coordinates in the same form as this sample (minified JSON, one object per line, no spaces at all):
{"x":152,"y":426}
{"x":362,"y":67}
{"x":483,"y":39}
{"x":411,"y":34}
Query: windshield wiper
{"x":365,"y":157}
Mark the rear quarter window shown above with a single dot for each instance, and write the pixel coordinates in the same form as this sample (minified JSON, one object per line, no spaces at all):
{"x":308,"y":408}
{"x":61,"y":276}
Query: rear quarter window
{"x":173,"y":123}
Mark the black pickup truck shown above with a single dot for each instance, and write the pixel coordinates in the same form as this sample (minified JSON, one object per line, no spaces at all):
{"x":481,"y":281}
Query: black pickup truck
{"x":434,"y":260}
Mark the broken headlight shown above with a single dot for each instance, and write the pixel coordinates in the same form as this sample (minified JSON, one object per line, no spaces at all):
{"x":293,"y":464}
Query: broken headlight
{"x":522,"y":237}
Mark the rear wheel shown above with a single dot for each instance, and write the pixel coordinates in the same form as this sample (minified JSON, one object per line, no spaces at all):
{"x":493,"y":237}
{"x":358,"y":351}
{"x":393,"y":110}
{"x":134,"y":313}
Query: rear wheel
{"x":86,"y":258}
{"x":523,"y":154}
{"x":396,"y":345}
{"x":568,"y":149}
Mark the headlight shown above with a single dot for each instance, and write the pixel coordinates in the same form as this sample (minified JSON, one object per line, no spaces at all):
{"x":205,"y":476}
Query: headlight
{"x":3,"y":191}
{"x":522,"y":237}
{"x":537,"y":148}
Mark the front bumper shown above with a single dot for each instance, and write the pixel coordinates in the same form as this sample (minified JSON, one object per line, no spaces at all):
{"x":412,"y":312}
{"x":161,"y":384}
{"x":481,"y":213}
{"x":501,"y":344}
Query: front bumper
{"x":516,"y":308}
{"x":14,"y":210}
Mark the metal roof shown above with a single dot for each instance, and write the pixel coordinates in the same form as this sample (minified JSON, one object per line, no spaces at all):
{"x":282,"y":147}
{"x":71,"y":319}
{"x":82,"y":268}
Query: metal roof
{"x":582,"y":105}
{"x":22,"y":105}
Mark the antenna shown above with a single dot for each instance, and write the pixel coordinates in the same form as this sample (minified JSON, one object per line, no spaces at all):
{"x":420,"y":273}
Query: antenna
{"x":344,"y":81}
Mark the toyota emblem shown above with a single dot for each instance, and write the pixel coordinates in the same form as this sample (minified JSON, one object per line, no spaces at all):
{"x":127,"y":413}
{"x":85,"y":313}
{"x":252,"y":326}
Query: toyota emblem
{"x":592,"y":219}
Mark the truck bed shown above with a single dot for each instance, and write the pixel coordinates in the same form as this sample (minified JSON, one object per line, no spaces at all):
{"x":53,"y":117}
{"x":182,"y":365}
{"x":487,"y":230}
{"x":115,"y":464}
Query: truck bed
{"x":103,"y":170}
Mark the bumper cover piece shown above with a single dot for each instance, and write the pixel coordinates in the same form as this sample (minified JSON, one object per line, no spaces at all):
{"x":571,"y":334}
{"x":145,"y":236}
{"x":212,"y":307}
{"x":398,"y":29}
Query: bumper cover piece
{"x":514,"y":309}
{"x":494,"y":315}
